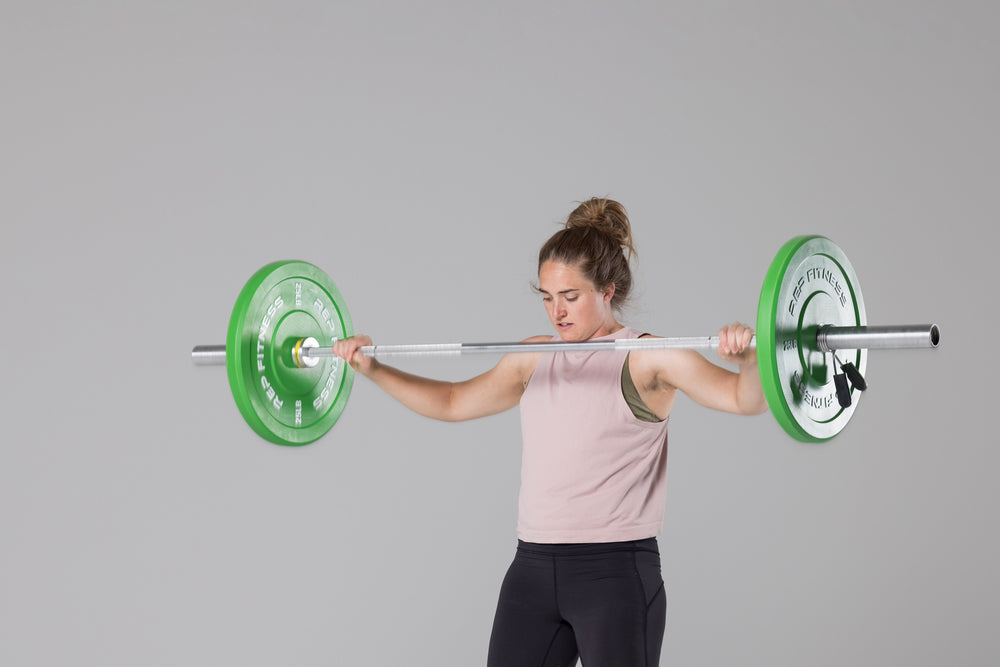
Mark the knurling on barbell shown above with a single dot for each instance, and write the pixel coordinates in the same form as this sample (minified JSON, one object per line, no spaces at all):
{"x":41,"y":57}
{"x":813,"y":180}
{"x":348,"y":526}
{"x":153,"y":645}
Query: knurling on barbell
{"x":291,"y":389}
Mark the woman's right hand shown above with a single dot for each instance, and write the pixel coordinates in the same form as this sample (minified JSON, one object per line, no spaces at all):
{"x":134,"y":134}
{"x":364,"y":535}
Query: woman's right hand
{"x":349,"y":350}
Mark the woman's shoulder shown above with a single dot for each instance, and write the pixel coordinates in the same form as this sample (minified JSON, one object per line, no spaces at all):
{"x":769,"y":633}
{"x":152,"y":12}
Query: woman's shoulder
{"x":522,"y":364}
{"x":650,"y":368}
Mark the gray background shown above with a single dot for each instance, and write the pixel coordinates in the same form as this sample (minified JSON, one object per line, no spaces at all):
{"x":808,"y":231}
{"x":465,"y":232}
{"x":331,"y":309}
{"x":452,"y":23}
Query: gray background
{"x":156,"y":154}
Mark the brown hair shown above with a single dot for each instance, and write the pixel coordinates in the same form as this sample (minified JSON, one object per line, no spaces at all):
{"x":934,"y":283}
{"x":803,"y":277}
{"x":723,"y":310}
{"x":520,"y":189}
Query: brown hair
{"x":597,"y":239}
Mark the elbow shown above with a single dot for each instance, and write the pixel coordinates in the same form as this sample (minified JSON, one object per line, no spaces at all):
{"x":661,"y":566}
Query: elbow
{"x":449,"y":411}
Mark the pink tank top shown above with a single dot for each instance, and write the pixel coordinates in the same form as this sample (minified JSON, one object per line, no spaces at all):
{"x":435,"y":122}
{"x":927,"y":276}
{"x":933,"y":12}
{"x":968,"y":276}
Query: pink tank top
{"x":590,"y":470}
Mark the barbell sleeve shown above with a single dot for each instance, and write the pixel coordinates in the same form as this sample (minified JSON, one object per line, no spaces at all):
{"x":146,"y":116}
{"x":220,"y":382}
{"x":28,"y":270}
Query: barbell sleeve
{"x":209,"y":355}
{"x":830,"y":338}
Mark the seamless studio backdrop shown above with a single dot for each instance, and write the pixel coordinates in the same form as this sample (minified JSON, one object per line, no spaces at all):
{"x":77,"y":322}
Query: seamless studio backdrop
{"x":156,"y":154}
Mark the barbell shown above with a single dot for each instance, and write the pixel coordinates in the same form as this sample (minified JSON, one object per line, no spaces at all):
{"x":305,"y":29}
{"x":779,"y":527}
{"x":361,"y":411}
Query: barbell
{"x":291,"y":389}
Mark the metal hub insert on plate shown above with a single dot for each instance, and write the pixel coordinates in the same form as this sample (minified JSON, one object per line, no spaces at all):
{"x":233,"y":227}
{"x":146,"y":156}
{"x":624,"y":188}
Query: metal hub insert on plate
{"x":810,"y":284}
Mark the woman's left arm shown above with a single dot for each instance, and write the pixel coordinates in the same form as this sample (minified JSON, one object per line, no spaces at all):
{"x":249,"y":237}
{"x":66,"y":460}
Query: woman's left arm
{"x":710,"y":385}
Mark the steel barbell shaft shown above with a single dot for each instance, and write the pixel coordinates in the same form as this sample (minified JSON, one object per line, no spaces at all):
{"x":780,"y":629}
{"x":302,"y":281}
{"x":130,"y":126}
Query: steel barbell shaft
{"x":828,"y":338}
{"x":377,"y":351}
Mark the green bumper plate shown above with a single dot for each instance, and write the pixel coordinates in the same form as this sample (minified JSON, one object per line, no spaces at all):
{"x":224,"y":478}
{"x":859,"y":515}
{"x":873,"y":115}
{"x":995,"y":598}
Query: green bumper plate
{"x":282,"y":303}
{"x":810,"y":283}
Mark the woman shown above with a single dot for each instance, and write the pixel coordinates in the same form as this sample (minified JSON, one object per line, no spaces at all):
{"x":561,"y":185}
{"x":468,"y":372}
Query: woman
{"x":585,"y":581}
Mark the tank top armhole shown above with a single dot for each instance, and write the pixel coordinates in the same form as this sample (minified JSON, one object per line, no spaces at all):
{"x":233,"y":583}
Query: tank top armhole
{"x":631,"y":395}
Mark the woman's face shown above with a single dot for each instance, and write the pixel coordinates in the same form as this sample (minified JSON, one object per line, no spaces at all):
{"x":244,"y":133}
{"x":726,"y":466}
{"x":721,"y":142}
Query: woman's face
{"x":576,"y":308}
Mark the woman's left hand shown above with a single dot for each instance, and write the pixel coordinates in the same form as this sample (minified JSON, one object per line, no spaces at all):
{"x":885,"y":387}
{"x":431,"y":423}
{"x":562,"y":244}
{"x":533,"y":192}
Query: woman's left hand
{"x":734,"y":344}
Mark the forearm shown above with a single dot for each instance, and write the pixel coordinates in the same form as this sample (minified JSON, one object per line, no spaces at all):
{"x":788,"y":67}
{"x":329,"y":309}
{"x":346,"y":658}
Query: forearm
{"x":427,"y":397}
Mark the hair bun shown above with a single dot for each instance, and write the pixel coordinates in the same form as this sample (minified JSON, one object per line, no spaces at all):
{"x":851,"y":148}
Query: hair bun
{"x":606,"y":216}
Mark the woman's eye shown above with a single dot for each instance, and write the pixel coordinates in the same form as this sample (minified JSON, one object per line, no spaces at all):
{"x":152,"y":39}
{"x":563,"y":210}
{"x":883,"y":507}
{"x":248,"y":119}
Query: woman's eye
{"x":572,"y":298}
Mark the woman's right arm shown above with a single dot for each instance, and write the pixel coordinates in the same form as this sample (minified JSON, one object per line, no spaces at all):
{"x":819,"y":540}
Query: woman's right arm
{"x":494,"y":391}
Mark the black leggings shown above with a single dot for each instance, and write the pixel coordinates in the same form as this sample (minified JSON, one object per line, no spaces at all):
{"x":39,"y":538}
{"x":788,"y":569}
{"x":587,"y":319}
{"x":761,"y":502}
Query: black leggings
{"x":602,"y":603}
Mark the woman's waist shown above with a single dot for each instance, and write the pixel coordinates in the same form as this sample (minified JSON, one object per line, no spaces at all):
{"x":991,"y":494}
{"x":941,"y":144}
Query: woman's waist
{"x":648,"y":544}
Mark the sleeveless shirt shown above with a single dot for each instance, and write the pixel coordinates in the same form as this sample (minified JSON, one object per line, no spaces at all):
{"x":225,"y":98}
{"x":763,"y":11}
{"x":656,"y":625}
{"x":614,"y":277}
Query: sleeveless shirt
{"x":590,"y":470}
